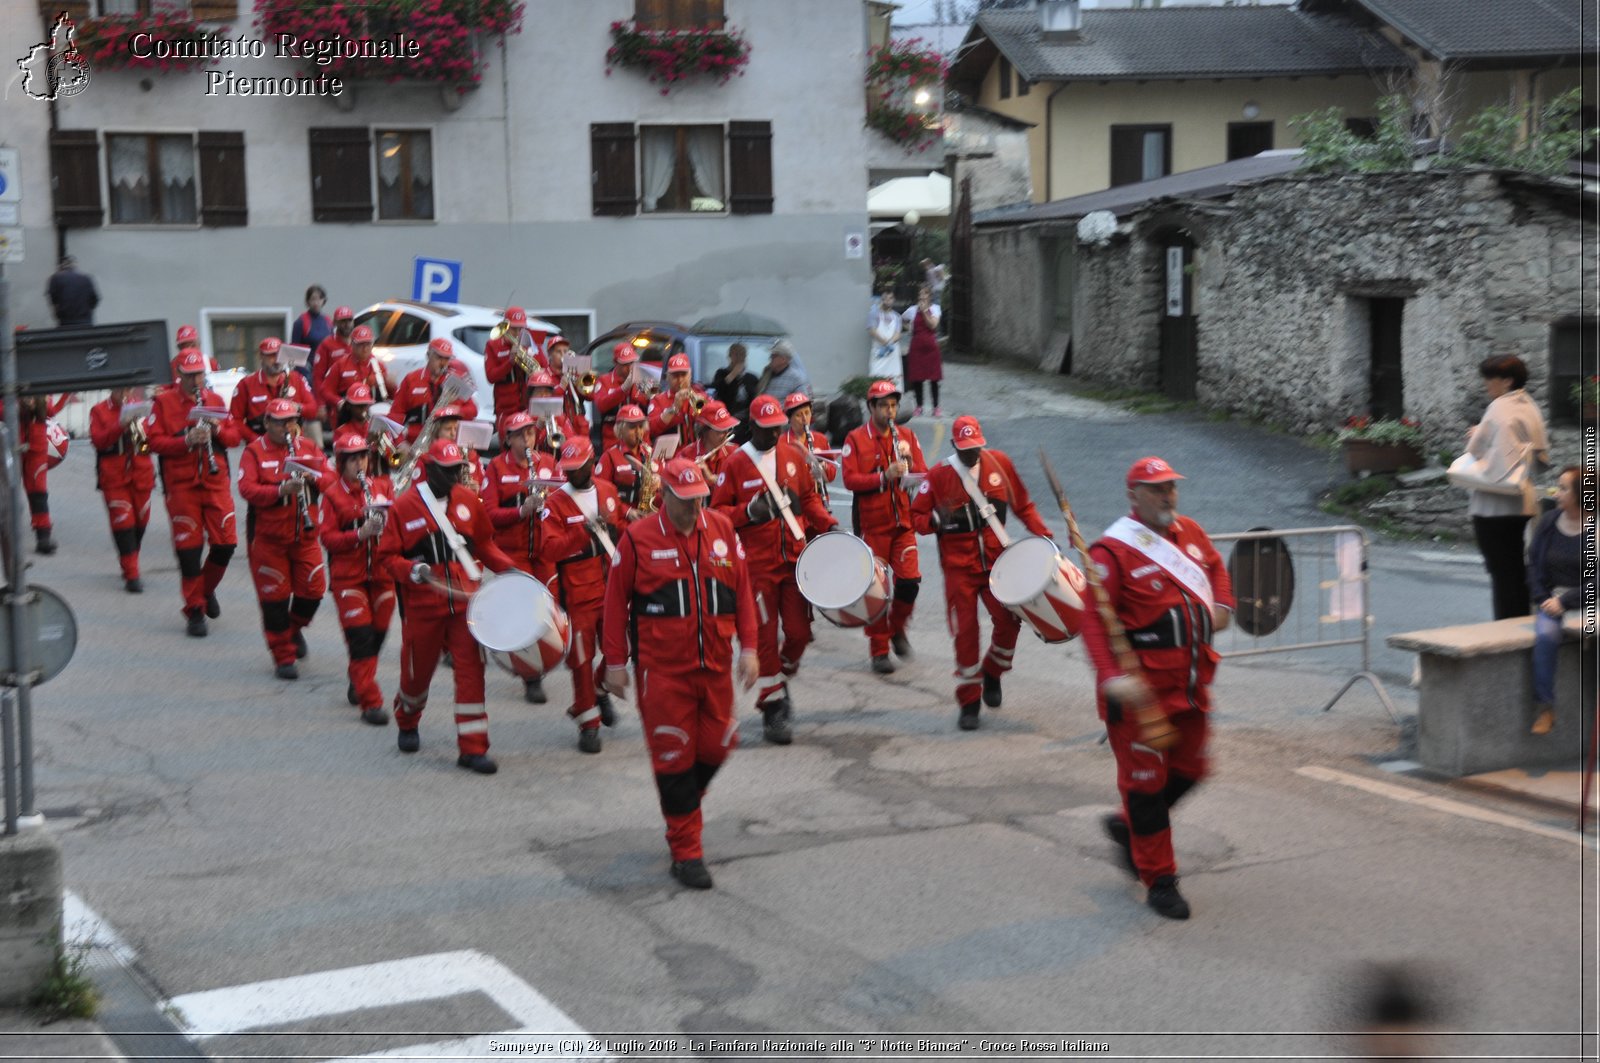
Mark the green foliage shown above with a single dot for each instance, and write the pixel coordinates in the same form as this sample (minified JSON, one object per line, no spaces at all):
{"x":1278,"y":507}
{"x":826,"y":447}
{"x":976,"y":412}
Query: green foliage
{"x":1586,"y":392}
{"x":1331,"y":148}
{"x":1405,"y":430}
{"x":1357,"y":493}
{"x":856,"y":386}
{"x":69,"y":992}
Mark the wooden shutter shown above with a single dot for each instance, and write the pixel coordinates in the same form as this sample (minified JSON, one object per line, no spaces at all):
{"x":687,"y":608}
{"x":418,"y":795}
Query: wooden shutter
{"x":679,"y":14}
{"x":75,"y":178}
{"x":750,"y":167}
{"x":77,"y":10}
{"x":341,"y":174}
{"x":222,"y":187}
{"x":214,"y":10}
{"x":611,"y":154}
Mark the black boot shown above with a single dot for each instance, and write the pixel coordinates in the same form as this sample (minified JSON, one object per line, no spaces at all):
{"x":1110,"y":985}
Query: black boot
{"x":1117,"y":830}
{"x":213,"y":607}
{"x":533,"y":691}
{"x":692,"y":873}
{"x":134,"y":585}
{"x":1166,"y":900}
{"x":42,"y":541}
{"x":608,"y":714}
{"x":589,"y":740}
{"x":775,"y":722}
{"x":991,"y":690}
{"x":301,"y":650}
{"x":969,"y":717}
{"x":482,"y":763}
{"x":197,"y":623}
{"x":287,"y":671}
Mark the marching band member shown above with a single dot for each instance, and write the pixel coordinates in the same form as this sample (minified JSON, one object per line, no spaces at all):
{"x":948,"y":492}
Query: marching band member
{"x":363,"y":587}
{"x":194,"y":479}
{"x":189,"y":339}
{"x":37,"y":461}
{"x":436,"y":541}
{"x":418,"y":394}
{"x":823,"y":470}
{"x":1170,"y":590}
{"x":514,"y":503}
{"x":623,"y":466}
{"x":334,"y":346}
{"x":875,"y":458}
{"x":710,"y":447}
{"x":358,"y":366}
{"x":945,"y":506}
{"x":542,"y":385}
{"x":677,"y":593}
{"x":355,"y":412}
{"x":125,"y":476}
{"x":673,"y":410}
{"x":582,"y":522}
{"x":506,"y":368}
{"x":617,"y":389}
{"x":764,"y":486}
{"x":281,"y":532}
{"x":556,"y":349}
{"x":270,"y":381}
{"x":447,"y":425}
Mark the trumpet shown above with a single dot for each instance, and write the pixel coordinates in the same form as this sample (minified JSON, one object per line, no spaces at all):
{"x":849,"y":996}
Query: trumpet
{"x":138,"y":437}
{"x":302,"y":497}
{"x":521,"y":357}
{"x":532,"y":488}
{"x":553,"y":435}
{"x":198,"y":393}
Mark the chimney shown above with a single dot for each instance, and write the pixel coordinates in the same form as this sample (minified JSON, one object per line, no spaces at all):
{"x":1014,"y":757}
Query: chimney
{"x":1060,"y":22}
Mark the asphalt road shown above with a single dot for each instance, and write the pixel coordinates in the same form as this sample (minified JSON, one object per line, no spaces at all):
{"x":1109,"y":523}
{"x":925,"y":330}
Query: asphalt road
{"x":886,"y":874}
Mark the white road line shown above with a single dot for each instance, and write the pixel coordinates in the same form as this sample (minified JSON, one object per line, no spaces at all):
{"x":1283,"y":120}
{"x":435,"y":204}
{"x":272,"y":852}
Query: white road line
{"x":81,"y":926}
{"x":1437,"y":804}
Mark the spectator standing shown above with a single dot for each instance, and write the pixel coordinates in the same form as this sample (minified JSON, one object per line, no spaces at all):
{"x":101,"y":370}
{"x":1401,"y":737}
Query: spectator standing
{"x":1563,"y":538}
{"x":1511,"y":434}
{"x":311,"y":328}
{"x":934,"y":276}
{"x":784,"y":373}
{"x":924,"y":360}
{"x":734,"y":385}
{"x":73,"y":296}
{"x":883,"y":332}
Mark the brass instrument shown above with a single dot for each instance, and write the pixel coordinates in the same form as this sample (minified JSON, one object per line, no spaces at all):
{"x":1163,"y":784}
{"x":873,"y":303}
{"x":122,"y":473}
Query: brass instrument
{"x":581,"y":386}
{"x":553,"y":435}
{"x":521,"y":357}
{"x":531,"y":488}
{"x":649,"y":485}
{"x":302,"y":493}
{"x":211,"y":453}
{"x":708,"y":455}
{"x":450,"y":390}
{"x":369,"y":511}
{"x":138,"y":437}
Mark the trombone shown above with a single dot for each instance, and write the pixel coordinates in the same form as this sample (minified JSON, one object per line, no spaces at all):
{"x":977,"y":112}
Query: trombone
{"x":521,"y":357}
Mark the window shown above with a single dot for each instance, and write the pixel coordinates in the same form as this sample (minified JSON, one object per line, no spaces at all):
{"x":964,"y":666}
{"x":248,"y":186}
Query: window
{"x":1246,"y":139}
{"x":235,"y":337}
{"x":176,"y":179}
{"x":678,"y":14}
{"x":1566,"y":367}
{"x":1005,"y":78}
{"x":681,"y":169}
{"x":1365,"y":128}
{"x":356,"y":171}
{"x":406,"y":330}
{"x":576,"y":325}
{"x":405,"y":175}
{"x":1023,"y":85}
{"x":708,"y":169}
{"x":1140,"y":153}
{"x":202,"y":10}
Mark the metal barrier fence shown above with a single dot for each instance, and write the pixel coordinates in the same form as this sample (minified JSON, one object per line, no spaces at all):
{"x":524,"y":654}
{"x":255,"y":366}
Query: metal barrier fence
{"x":1300,"y":589}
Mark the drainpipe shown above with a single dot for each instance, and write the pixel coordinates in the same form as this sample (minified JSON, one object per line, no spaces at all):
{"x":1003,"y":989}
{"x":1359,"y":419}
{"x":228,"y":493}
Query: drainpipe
{"x":1049,"y":138}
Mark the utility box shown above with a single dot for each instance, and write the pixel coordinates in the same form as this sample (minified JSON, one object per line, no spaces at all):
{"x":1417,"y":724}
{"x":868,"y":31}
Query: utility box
{"x":92,"y":357}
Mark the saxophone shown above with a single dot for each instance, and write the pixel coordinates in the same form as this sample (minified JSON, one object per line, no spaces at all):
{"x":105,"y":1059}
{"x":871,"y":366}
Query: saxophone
{"x":649,"y":486}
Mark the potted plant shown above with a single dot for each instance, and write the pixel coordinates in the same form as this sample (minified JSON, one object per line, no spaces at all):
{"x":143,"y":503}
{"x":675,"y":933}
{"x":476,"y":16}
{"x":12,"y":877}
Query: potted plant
{"x":670,"y":56}
{"x":1381,"y":445}
{"x":1586,"y":394}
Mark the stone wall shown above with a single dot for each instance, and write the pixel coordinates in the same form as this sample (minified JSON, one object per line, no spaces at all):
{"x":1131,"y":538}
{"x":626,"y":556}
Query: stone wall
{"x":1011,"y":297}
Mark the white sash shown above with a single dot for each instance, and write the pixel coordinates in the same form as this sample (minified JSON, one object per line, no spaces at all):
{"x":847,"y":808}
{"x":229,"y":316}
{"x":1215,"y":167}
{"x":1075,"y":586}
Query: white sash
{"x":458,"y":545}
{"x":779,"y":498}
{"x":979,"y":499}
{"x":597,"y":527}
{"x":1160,"y":549}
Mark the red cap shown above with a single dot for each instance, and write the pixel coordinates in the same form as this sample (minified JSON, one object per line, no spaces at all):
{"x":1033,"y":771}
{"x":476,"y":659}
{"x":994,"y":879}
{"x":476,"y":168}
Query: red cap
{"x":575,"y":453}
{"x":269,"y":347}
{"x":344,"y":313}
{"x":515,"y":422}
{"x":449,"y":409}
{"x":283,"y":409}
{"x":444,"y":452}
{"x":359,"y":395}
{"x":1151,"y":470}
{"x":766,"y":413}
{"x":684,"y":479}
{"x":188,"y":334}
{"x":678,"y":363}
{"x":631,"y":414}
{"x":362,"y":334}
{"x":882,"y":389}
{"x":715,"y":415}
{"x":191,"y":361}
{"x":624,"y":354}
{"x":794,"y":400}
{"x":442,"y":347}
{"x":966,"y":433}
{"x":353,"y":441}
{"x":541,"y":378}
{"x":555,"y":341}
{"x":517,"y":317}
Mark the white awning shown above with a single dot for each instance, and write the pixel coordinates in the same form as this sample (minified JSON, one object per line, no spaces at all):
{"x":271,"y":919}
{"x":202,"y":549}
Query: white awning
{"x":929,"y":196}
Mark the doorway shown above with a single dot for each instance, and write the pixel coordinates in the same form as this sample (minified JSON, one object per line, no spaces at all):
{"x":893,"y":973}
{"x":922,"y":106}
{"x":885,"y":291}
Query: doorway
{"x":1180,"y":356}
{"x":1385,"y":316}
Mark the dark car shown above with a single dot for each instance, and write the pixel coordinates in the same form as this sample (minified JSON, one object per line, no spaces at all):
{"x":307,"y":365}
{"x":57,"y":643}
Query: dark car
{"x":657,"y":341}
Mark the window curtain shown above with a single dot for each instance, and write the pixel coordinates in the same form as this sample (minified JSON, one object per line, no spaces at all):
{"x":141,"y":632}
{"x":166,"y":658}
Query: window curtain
{"x":176,"y":158}
{"x":705,"y":160}
{"x":658,"y":154}
{"x":1154,"y":162}
{"x":130,"y":184}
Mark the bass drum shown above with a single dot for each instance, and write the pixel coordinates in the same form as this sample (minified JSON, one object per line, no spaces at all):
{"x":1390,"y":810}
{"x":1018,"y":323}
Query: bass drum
{"x":842,"y":580}
{"x":1033,"y":580}
{"x":515,"y":618}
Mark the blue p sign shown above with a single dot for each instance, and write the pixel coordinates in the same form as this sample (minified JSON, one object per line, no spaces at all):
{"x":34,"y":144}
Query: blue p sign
{"x":436,"y":280}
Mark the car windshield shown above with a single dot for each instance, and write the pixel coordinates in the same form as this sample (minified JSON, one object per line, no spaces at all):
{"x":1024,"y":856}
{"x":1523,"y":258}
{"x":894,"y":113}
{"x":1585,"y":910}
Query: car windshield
{"x":714,"y":353}
{"x":653,"y":353}
{"x":473,"y":336}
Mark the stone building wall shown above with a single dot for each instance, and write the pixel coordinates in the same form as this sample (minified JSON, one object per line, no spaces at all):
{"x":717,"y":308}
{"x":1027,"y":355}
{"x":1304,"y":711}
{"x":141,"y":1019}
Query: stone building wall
{"x":1010,"y":304}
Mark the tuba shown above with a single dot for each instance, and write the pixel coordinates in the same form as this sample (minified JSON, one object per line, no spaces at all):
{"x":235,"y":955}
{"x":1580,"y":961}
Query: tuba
{"x":452,"y":389}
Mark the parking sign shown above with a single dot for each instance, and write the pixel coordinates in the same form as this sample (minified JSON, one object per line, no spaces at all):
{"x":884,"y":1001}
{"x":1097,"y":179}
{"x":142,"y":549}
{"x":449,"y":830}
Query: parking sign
{"x":436,"y":280}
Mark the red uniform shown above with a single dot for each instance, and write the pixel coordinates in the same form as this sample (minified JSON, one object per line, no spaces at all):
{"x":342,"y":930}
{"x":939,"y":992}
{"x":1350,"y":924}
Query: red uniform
{"x":36,"y":462}
{"x":346,"y":372}
{"x":674,"y":602}
{"x":825,"y":470}
{"x":328,"y":352}
{"x":609,"y":397}
{"x":126,"y":477}
{"x":199,"y":501}
{"x":712,"y":465}
{"x":620,"y":467}
{"x":281,"y":536}
{"x":504,"y":490}
{"x":770,"y":550}
{"x":435,"y":619}
{"x":571,"y":426}
{"x":881,"y":514}
{"x":580,"y":561}
{"x":510,"y":382}
{"x":363,"y":586}
{"x":1170,"y":628}
{"x":682,"y":421}
{"x":967,"y":551}
{"x":418,"y":394}
{"x":250,"y":398}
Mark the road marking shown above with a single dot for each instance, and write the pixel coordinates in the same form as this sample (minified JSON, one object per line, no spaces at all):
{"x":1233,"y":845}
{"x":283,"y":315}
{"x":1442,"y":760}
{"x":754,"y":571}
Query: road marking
{"x":1437,"y":804}
{"x":82,"y":927}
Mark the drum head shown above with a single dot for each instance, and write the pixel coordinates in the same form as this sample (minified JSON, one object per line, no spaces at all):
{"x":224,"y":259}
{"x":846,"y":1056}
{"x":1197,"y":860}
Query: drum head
{"x":1263,"y":583}
{"x":1023,"y":570}
{"x":508,"y":612}
{"x":834,"y":570}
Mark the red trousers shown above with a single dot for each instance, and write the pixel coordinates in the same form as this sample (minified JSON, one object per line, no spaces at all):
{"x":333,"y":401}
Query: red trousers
{"x":964,"y":587}
{"x":424,"y":633}
{"x":690,"y":730}
{"x":778,"y":599}
{"x":128,"y":506}
{"x":365,"y":610}
{"x":290,"y":578}
{"x":1151,"y":783}
{"x":583,"y":663}
{"x":200,"y":517}
{"x":36,"y":482}
{"x":899,"y":549}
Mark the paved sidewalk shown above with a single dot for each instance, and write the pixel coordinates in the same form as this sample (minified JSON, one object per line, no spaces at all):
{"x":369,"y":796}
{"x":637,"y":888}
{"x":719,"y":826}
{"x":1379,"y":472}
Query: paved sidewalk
{"x":22,"y":1036}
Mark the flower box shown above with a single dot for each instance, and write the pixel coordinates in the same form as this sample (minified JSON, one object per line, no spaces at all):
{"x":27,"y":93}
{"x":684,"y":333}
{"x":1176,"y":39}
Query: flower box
{"x":1364,"y":455}
{"x":667,"y":57}
{"x":446,"y":35}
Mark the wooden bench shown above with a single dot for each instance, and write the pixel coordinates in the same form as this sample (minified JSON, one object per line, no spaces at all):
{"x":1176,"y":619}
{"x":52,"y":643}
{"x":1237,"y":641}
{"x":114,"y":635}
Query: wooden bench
{"x":1476,"y":697}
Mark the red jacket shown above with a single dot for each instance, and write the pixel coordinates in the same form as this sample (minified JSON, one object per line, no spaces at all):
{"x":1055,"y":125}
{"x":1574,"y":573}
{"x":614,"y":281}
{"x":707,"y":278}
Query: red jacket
{"x":682,"y":422}
{"x":262,"y":470}
{"x":410,"y":535}
{"x":344,"y":373}
{"x":771,"y":542}
{"x":676,"y":601}
{"x":942,"y":507}
{"x":1158,"y":611}
{"x":615,"y":468}
{"x":324,"y":358}
{"x":566,"y":542}
{"x":344,"y":510}
{"x":418,"y":394}
{"x":713,"y":465}
{"x":250,"y":398}
{"x":879,"y":506}
{"x":503,"y":492}
{"x":808,"y":443}
{"x":609,"y":397}
{"x":118,"y":463}
{"x":510,"y":383}
{"x":181,"y":467}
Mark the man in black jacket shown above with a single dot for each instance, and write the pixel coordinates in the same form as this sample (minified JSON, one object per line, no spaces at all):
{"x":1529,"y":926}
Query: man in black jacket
{"x":734,"y":387}
{"x":72,"y":295}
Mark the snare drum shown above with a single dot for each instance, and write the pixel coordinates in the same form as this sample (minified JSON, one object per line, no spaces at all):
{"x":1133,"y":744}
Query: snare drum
{"x":516,"y":619}
{"x":838,"y":575}
{"x":1033,"y":580}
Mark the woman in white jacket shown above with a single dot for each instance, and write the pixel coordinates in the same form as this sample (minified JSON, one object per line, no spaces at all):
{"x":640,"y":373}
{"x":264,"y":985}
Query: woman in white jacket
{"x":1511,"y":434}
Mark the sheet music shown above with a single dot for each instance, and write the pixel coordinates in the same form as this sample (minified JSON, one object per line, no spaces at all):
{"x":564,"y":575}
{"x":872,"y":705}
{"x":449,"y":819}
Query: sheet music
{"x":543,"y":409}
{"x":665,"y":447}
{"x":294,"y":356}
{"x":295,"y":467}
{"x":390,"y":428}
{"x":475,"y":434}
{"x":579,"y":364}
{"x":134,"y":411}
